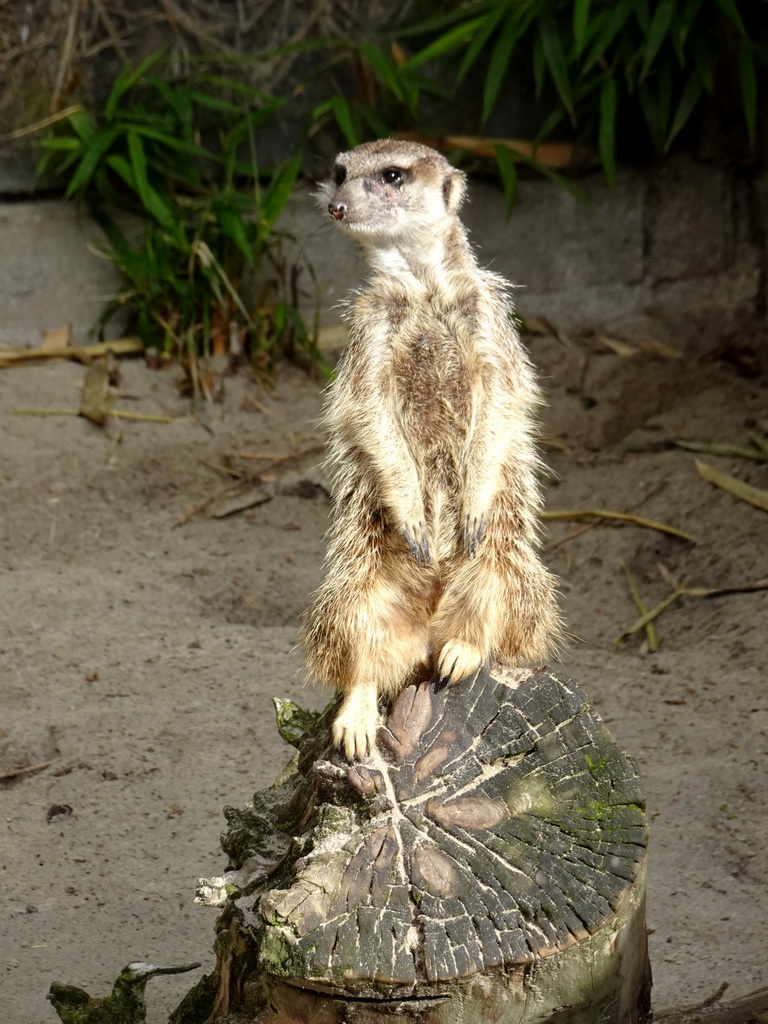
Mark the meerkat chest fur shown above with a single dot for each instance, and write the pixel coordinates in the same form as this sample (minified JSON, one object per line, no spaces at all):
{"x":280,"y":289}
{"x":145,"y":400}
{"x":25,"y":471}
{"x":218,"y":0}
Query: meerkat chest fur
{"x":428,"y":365}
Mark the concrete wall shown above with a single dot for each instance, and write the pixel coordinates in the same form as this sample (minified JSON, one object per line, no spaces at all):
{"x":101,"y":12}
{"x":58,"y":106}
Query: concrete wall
{"x":50,"y":271}
{"x":676,"y":242}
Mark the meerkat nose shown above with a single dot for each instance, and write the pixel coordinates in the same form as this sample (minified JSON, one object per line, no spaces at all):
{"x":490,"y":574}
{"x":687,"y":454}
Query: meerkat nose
{"x":337,"y":210}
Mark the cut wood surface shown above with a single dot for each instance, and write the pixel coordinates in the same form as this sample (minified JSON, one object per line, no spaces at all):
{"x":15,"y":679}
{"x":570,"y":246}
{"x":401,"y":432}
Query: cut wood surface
{"x":497,"y":834}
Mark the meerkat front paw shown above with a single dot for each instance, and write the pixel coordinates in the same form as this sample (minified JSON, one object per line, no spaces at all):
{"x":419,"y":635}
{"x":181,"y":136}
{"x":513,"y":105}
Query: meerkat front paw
{"x":355,"y":726}
{"x":416,"y":537}
{"x":457,"y":661}
{"x":472,"y":533}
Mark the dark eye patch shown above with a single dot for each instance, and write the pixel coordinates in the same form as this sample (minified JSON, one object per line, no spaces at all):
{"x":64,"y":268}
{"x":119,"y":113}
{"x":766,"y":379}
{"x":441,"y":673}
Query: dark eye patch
{"x":339,"y":174}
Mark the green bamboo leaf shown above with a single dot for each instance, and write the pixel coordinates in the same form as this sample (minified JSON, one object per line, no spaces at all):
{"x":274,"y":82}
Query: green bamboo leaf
{"x":126,"y":79}
{"x":176,"y":98}
{"x":204,"y":99}
{"x":731,"y":11}
{"x":233,"y":226}
{"x":643,"y":15}
{"x":430,"y":26}
{"x":690,"y":97}
{"x":389,"y":75}
{"x":61,"y":142}
{"x":548,"y":125}
{"x":505,"y":162}
{"x":149,"y":197}
{"x":172,"y":142}
{"x":138,"y":162}
{"x":607,"y":129}
{"x":490,"y":24}
{"x":649,"y":105}
{"x":580,"y":23}
{"x":339,"y":107}
{"x":655,"y":98}
{"x":539,"y":65}
{"x":448,"y":41}
{"x":748,"y":82}
{"x":607,"y":26}
{"x":379,"y":126}
{"x":280,"y":187}
{"x":666,"y":91}
{"x":82,"y":124}
{"x":90,"y":160}
{"x":58,"y":160}
{"x":560,"y":180}
{"x":498,"y":64}
{"x":657,"y":33}
{"x":704,"y":59}
{"x":687,"y":19}
{"x":675,"y":38}
{"x":59,"y":153}
{"x":123,"y":169}
{"x":556,"y":61}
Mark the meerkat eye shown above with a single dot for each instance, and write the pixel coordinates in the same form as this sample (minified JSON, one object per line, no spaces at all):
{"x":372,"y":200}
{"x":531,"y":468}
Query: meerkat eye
{"x":392,"y":176}
{"x":339,"y":174}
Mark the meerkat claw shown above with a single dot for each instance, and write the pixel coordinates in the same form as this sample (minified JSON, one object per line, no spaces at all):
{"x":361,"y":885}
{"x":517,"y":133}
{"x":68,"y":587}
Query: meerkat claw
{"x":416,"y":539}
{"x":355,"y":727}
{"x":457,"y":661}
{"x":472,"y":533}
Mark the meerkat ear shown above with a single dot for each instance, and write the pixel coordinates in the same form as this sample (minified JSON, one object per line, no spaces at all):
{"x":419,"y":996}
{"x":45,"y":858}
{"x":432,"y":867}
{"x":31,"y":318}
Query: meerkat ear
{"x":454,"y":189}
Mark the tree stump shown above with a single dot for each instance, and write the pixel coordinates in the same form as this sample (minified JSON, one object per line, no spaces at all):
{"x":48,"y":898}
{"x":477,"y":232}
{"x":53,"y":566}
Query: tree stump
{"x":487,"y":863}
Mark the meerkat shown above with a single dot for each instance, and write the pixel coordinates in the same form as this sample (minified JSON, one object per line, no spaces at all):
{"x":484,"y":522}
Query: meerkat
{"x":431,"y":565}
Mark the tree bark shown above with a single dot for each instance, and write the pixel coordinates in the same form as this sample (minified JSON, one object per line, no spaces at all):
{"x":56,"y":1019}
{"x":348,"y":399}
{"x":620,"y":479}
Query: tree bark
{"x":487,"y":863}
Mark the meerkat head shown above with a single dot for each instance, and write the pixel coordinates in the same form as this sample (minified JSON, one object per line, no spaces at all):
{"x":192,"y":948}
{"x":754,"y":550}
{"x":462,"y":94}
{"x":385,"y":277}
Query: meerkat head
{"x":391,"y":190}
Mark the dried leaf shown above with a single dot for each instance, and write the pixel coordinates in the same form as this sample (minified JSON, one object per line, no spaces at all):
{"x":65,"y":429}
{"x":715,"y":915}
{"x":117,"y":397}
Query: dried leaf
{"x":540,"y":325}
{"x":95,"y":398}
{"x":556,"y":155}
{"x":650,"y":632}
{"x":758,"y":441}
{"x":683,"y":591}
{"x":59,"y":337}
{"x":746,"y":588}
{"x":745,"y":492}
{"x":643,"y":621}
{"x":602,"y":513}
{"x":727,"y":450}
{"x":621,"y":348}
{"x":82,"y":353}
{"x":242,"y":501}
{"x":660,"y":348}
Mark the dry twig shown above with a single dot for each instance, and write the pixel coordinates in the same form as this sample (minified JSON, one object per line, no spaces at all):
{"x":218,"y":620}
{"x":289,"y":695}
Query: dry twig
{"x":754,"y":495}
{"x":25,"y":771}
{"x":80,"y":353}
{"x":727,"y":450}
{"x":650,"y":631}
{"x":681,"y":590}
{"x":122,"y":414}
{"x":627,"y":517}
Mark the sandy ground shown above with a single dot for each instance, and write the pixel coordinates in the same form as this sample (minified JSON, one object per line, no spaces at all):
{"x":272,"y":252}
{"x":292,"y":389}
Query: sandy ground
{"x":139,"y":656}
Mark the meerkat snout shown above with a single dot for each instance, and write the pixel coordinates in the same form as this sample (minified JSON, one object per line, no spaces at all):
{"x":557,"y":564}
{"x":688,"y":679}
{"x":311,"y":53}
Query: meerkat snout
{"x":337,"y":210}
